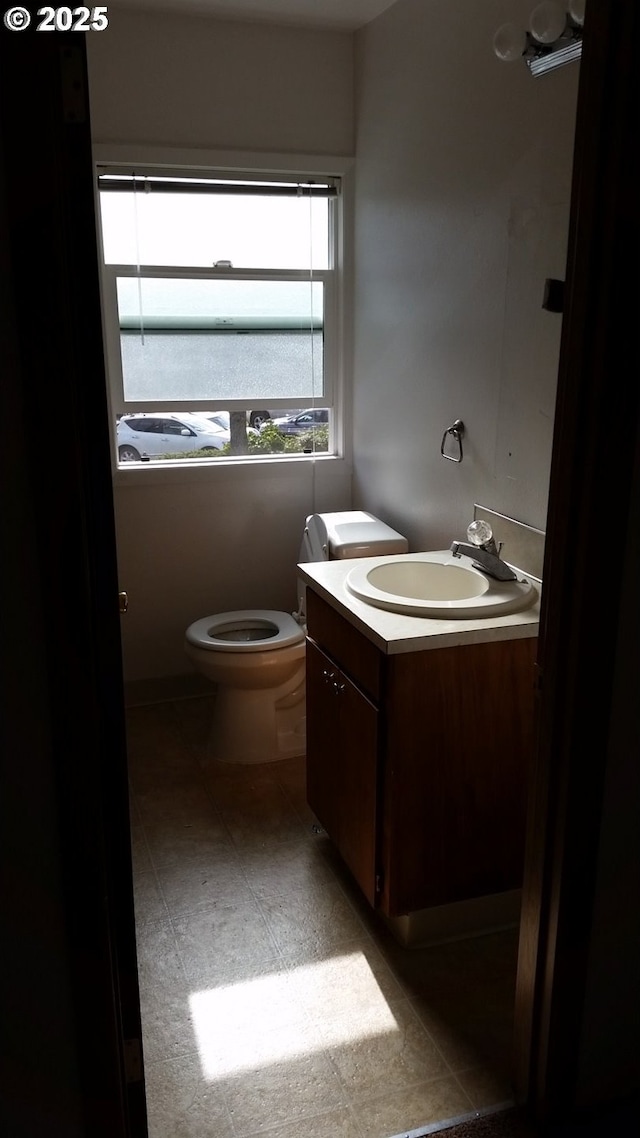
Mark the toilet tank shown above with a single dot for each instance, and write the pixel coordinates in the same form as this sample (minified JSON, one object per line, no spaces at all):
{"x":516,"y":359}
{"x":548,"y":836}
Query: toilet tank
{"x":347,"y":533}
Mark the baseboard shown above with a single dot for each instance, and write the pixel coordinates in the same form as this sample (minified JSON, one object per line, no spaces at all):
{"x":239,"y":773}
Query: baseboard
{"x":474,"y":917}
{"x":161,"y":689}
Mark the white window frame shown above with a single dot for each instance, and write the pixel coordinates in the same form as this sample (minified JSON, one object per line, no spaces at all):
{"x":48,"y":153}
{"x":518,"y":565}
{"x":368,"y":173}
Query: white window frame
{"x":122,"y":406}
{"x":141,"y":160}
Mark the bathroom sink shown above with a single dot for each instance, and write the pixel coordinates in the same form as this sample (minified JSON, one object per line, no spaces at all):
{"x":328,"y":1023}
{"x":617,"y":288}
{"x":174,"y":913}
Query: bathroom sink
{"x":436,"y":584}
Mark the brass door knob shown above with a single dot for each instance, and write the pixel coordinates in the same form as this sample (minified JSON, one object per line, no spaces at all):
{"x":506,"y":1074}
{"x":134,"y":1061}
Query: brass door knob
{"x":123,"y":602}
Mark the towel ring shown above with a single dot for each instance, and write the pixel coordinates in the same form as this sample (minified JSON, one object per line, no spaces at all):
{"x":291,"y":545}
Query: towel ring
{"x":457,"y":431}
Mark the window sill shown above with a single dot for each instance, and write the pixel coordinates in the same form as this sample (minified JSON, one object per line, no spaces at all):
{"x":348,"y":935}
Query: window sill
{"x":217,"y":470}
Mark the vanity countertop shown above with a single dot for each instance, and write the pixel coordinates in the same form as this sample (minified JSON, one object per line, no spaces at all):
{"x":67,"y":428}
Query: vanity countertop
{"x":394,"y":632}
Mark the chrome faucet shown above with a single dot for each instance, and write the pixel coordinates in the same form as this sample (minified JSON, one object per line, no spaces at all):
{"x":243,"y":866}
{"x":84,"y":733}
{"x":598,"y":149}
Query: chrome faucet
{"x":484,"y":552}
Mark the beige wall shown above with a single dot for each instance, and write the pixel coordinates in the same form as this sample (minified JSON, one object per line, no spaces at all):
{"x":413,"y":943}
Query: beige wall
{"x":207,"y":544}
{"x":190,"y":81}
{"x":463,"y":172}
{"x":187,"y":549}
{"x":462,"y":207}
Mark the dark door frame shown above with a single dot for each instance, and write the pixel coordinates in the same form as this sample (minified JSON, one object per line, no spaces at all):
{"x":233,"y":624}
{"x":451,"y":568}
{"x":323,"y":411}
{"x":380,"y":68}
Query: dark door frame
{"x":593,"y":502}
{"x":71,"y":1011}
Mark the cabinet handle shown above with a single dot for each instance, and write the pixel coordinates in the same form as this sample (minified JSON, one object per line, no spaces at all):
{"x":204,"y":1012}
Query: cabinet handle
{"x":330,"y":678}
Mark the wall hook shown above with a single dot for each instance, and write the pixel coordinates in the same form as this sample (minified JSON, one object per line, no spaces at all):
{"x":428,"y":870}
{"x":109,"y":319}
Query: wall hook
{"x":457,"y":431}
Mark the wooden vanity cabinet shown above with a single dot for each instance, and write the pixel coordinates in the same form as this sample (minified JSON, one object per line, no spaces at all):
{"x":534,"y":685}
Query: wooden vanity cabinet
{"x":418,"y":763}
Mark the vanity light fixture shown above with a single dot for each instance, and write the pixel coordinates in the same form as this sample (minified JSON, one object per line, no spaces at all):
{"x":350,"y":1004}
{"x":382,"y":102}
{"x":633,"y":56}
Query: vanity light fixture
{"x":553,"y":38}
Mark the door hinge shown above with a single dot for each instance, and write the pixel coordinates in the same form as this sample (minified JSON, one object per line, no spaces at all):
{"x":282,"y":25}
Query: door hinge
{"x":133,"y":1060}
{"x":379,"y":882}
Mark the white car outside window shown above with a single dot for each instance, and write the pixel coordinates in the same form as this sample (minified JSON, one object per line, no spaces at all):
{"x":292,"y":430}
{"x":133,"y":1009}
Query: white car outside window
{"x":148,"y":435}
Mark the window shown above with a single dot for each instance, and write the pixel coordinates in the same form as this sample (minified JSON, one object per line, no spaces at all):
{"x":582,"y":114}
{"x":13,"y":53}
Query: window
{"x":221,"y":305}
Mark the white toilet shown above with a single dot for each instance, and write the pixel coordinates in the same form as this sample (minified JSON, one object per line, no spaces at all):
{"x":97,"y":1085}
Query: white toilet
{"x":256,"y":657}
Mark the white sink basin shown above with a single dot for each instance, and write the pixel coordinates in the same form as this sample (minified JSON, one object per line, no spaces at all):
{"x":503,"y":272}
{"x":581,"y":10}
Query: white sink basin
{"x":436,"y":584}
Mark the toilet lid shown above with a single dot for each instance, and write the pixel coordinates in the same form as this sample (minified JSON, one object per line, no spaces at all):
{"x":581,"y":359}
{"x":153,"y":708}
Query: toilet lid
{"x":245,"y":630}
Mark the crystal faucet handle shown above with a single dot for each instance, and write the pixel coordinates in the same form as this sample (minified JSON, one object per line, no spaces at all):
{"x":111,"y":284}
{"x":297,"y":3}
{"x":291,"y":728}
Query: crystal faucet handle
{"x":479,"y":533}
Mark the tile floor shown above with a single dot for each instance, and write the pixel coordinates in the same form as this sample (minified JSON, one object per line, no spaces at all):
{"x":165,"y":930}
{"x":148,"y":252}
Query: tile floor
{"x":273,"y":1002}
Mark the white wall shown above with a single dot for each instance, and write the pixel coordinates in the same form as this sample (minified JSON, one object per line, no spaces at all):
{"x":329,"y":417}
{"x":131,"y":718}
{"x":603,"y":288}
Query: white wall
{"x":462,"y":209}
{"x":463,"y":181}
{"x":188,"y":548}
{"x":190,"y":81}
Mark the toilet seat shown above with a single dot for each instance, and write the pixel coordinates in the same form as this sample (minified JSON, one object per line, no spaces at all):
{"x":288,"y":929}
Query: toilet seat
{"x":256,"y":658}
{"x":245,"y":630}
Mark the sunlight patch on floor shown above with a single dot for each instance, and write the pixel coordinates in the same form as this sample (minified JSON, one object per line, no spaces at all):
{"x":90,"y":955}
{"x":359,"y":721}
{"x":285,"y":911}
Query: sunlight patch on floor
{"x":287,"y":1016}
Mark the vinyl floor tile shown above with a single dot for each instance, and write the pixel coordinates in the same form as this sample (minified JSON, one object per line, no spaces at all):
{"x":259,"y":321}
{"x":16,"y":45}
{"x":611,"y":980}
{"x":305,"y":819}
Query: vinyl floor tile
{"x":173,"y":840}
{"x":341,"y":1123}
{"x":202,"y":883}
{"x":292,"y":868}
{"x":274,"y":1002}
{"x":423,"y":1104}
{"x":311,"y":919}
{"x":278,"y":824}
{"x":485,"y":1086}
{"x":160,"y":967}
{"x":149,"y":904}
{"x":281,"y":1093}
{"x":168,"y":1027}
{"x":470,"y":1031}
{"x":183,"y":1103}
{"x":251,"y":789}
{"x":193,"y":718}
{"x":225,"y":943}
{"x":140,"y":860}
{"x":392,"y":1047}
{"x":291,"y":773}
{"x":351,"y":982}
{"x":185,"y":803}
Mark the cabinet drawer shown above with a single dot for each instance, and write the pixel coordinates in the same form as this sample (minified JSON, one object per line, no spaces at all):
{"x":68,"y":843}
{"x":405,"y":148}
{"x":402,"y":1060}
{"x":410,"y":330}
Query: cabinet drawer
{"x":353,"y":653}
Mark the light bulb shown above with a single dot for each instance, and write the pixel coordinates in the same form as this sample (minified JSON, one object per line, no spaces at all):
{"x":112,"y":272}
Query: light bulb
{"x":547,"y":22}
{"x":510,"y":42}
{"x":576,"y":11}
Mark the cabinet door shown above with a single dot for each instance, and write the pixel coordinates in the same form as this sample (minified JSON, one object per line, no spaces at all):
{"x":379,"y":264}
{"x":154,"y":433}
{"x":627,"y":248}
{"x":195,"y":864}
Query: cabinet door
{"x":323,"y":739}
{"x":342,"y":765}
{"x":459,"y":735}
